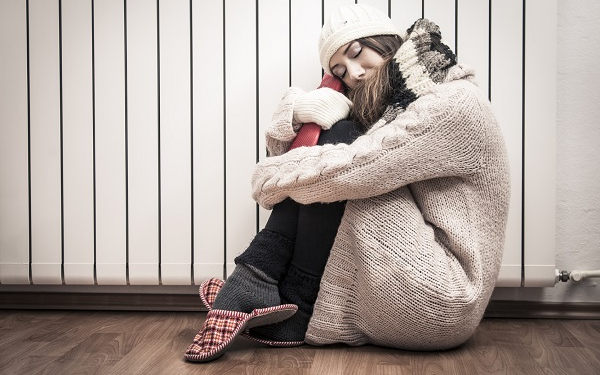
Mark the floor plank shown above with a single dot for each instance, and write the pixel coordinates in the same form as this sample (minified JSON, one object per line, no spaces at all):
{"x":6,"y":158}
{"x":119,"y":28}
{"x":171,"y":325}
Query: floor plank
{"x":105,"y":342}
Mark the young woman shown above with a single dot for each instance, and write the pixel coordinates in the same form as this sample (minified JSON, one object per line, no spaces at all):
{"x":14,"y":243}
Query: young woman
{"x":418,"y":249}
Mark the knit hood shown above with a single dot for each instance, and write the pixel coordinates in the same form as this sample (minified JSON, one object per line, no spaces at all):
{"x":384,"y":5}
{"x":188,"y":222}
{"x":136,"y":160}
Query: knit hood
{"x":421,"y":62}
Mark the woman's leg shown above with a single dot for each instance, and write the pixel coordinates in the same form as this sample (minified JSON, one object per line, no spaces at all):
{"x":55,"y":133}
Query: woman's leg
{"x":316,"y":231}
{"x":294,"y":245}
{"x":283,"y":264}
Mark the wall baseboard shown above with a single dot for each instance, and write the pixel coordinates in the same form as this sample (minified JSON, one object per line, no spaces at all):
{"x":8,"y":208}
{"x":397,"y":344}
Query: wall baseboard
{"x":100,"y":301}
{"x":191,"y":302}
{"x":542,"y":310}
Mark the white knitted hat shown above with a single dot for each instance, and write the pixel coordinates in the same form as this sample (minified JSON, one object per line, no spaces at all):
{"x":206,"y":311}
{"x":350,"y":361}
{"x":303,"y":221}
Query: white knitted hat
{"x":348,"y":23}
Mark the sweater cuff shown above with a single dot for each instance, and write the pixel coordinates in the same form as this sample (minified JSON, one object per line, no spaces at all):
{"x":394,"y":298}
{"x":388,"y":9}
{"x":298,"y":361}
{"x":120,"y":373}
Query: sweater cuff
{"x":281,"y":133}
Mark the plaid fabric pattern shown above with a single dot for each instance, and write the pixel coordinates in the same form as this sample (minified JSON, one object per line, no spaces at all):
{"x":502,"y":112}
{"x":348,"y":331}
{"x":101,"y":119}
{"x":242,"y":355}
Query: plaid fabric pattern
{"x":218,"y":331}
{"x":208,"y":292}
{"x":221,"y":327}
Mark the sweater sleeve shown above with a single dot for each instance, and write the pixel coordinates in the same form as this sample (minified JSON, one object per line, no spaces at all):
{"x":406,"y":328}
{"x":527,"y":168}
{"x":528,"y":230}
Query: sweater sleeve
{"x":441,"y":134}
{"x":282,"y":131}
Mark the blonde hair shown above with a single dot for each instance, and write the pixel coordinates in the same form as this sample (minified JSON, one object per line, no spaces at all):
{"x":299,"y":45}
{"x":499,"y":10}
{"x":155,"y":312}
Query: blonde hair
{"x":371,"y":96}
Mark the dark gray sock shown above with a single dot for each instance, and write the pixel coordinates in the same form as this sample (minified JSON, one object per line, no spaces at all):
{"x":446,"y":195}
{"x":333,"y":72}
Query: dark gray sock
{"x":299,"y":288}
{"x":253,"y":283}
{"x":269,"y":252}
{"x":247,"y":289}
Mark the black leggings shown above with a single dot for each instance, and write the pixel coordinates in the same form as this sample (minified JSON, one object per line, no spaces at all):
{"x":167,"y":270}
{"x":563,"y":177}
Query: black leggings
{"x":313,"y":227}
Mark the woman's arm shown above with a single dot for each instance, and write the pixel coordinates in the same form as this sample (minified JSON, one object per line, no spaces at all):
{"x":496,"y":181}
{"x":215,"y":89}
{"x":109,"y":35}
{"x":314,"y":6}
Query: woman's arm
{"x":441,"y":134}
{"x":323,"y":106}
{"x":282,"y":131}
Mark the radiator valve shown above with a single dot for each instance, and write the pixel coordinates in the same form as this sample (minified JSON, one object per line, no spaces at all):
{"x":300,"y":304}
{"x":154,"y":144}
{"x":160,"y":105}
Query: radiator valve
{"x":575,"y":275}
{"x":562,"y":276}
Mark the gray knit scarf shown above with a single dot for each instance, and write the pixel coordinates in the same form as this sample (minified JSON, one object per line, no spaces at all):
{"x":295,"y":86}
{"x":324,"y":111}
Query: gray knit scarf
{"x":421,"y":62}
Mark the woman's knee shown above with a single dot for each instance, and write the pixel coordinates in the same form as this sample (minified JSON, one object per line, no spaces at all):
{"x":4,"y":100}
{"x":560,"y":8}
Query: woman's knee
{"x":344,"y":131}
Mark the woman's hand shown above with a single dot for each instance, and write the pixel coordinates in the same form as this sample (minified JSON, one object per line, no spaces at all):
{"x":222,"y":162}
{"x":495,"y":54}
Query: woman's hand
{"x":322,"y":106}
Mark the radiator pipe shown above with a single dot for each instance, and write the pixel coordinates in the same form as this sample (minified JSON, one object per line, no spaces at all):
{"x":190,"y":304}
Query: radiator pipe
{"x":575,"y":275}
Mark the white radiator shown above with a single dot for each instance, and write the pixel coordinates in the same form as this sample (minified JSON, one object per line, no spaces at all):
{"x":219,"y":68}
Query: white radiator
{"x":129,"y":128}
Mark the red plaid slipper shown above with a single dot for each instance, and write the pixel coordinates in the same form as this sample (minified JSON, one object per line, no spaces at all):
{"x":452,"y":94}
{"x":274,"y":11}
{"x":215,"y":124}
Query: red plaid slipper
{"x":221,"y":327}
{"x":208,"y":292}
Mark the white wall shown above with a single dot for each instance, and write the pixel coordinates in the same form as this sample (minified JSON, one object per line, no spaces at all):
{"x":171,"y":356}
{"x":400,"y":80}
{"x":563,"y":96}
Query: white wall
{"x":578,"y":155}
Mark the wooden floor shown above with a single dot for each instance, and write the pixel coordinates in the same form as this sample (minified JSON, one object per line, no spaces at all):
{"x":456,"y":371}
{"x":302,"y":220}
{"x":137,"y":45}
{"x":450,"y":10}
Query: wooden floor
{"x":68,"y":342}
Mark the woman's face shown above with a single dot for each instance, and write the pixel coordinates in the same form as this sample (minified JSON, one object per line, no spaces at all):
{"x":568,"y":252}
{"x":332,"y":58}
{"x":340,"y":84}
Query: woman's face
{"x":353,"y":62}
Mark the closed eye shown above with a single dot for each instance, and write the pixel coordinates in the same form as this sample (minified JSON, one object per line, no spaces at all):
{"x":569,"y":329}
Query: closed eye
{"x":339,"y":72}
{"x":353,"y":51}
{"x":358,"y":53}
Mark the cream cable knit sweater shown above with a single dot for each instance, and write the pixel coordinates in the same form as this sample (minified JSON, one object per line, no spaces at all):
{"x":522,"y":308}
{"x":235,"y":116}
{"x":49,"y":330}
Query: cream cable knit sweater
{"x":419,"y":248}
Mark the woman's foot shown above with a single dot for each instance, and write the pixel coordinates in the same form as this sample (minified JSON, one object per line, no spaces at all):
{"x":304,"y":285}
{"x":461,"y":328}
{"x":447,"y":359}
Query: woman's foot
{"x":208,"y":292}
{"x":221,"y":327}
{"x":300,"y":288}
{"x":247,"y":288}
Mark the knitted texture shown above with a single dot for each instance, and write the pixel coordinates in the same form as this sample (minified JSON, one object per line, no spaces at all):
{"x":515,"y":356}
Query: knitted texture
{"x":348,"y":23}
{"x":283,"y":129}
{"x":246,"y":289}
{"x":420,"y":244}
{"x":269,"y":252}
{"x":323,"y":106}
{"x":421,"y":63}
{"x":299,"y":288}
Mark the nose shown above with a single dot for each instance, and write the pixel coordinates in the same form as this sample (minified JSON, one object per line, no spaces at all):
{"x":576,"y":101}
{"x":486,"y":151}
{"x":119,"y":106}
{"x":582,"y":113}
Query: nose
{"x":356,"y":72}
